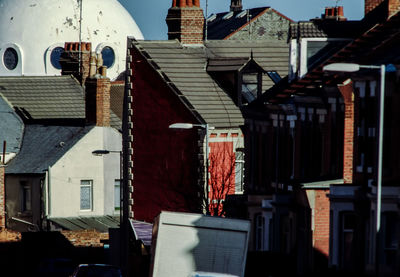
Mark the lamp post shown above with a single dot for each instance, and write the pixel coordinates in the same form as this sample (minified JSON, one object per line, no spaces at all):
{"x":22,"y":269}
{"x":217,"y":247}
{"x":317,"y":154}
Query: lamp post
{"x":123,"y":203}
{"x":351,"y":67}
{"x":207,"y":128}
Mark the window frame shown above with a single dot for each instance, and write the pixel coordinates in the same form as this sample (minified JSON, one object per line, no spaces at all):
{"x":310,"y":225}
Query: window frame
{"x":82,"y":185}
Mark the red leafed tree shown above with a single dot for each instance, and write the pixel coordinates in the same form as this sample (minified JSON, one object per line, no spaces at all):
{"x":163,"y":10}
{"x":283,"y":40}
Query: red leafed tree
{"x":221,"y":180}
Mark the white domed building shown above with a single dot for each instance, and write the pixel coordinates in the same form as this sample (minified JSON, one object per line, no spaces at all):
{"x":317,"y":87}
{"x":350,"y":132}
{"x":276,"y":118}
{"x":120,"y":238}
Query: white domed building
{"x":33,"y":34}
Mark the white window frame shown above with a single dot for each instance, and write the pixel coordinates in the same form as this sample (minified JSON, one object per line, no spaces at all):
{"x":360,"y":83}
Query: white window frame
{"x":90,"y":186}
{"x":117,"y":204}
{"x":303,"y":52}
{"x":17,"y":71}
{"x":49,"y":68}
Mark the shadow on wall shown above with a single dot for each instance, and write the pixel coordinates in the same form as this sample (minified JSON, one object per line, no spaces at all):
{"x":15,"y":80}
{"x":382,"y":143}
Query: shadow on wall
{"x":274,"y":264}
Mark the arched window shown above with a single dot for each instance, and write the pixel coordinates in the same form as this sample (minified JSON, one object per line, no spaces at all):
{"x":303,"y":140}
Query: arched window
{"x":10,"y":58}
{"x":108,"y":55}
{"x":55,"y":57}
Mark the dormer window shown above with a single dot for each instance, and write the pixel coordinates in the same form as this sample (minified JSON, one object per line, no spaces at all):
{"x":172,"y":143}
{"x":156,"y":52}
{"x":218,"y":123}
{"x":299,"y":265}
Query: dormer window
{"x":240,"y":77}
{"x":251,"y":86}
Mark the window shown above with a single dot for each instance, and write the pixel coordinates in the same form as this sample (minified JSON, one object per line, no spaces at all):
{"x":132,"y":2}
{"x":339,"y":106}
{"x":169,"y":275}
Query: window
{"x":259,"y":232}
{"x":239,"y":168}
{"x":390,"y":239}
{"x":348,"y":222}
{"x":10,"y":58}
{"x":86,"y":195}
{"x":108,"y":56}
{"x":55,"y":57}
{"x":249,"y":87}
{"x":117,"y":195}
{"x":26,"y":200}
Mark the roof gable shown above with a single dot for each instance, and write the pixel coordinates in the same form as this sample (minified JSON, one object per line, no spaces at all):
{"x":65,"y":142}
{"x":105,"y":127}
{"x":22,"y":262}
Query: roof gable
{"x":43,"y":146}
{"x":184,"y":70}
{"x":227,"y":24}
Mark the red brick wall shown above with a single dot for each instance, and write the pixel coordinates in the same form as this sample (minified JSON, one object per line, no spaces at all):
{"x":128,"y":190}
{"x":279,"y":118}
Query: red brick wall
{"x":9,"y":236}
{"x":393,"y":6}
{"x":165,"y":161}
{"x":349,"y":130}
{"x":85,"y":238}
{"x":321,"y":222}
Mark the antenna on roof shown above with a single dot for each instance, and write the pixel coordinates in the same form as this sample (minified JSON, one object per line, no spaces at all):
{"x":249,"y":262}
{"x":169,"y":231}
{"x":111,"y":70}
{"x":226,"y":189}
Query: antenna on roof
{"x":80,"y":35}
{"x":206,"y":30}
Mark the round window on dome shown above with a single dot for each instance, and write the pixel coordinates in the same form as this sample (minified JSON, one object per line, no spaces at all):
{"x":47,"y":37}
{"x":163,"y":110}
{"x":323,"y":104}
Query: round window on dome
{"x":55,"y":57}
{"x":10,"y":58}
{"x":108,"y":56}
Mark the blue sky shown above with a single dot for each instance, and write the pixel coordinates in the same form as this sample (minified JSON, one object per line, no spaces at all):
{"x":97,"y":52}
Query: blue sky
{"x":150,"y":14}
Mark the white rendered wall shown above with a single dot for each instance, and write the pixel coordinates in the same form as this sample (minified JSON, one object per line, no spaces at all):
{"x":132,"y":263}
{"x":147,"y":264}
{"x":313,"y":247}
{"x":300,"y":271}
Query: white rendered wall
{"x":80,"y":164}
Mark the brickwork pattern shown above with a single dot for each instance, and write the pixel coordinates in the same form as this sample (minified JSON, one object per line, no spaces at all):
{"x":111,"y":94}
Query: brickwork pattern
{"x":70,"y":60}
{"x":98,"y":101}
{"x":9,"y":236}
{"x":393,"y":6}
{"x":186,"y":25}
{"x":349,"y":129}
{"x":321,"y":222}
{"x":85,"y":238}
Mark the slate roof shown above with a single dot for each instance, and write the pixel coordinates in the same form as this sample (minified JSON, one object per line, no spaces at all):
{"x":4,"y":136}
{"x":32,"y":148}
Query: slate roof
{"x":184,"y":69}
{"x":45,"y":97}
{"x":223,"y":25}
{"x":43,"y":146}
{"x":98,"y":223}
{"x":11,"y":127}
{"x":325,"y":29}
{"x":378,"y":45}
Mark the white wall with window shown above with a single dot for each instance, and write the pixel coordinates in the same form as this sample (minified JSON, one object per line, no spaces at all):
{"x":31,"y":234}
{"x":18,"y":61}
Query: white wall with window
{"x":86,"y":195}
{"x":82,"y":184}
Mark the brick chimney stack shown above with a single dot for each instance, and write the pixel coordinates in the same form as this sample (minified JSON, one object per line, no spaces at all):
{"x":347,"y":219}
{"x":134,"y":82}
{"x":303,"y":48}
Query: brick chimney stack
{"x":98,"y":88}
{"x":75,"y":63}
{"x":390,"y":6}
{"x":87,"y":67}
{"x":236,"y":5}
{"x":334,"y":13}
{"x":185,"y":21}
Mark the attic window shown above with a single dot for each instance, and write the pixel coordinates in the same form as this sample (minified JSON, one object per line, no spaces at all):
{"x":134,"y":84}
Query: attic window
{"x":249,"y":87}
{"x":241,"y":14}
{"x":274,"y":76}
{"x":227,"y":16}
{"x":212,"y":17}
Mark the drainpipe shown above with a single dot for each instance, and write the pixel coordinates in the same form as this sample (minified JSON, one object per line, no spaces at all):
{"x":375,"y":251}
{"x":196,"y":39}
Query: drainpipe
{"x":47,"y":196}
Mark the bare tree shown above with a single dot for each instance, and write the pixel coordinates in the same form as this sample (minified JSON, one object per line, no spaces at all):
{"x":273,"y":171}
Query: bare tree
{"x":222,"y":170}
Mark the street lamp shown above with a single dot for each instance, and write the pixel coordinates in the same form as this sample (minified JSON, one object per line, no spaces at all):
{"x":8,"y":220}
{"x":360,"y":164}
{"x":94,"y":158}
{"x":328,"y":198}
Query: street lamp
{"x":124,"y":203}
{"x":207,"y":128}
{"x":351,"y":67}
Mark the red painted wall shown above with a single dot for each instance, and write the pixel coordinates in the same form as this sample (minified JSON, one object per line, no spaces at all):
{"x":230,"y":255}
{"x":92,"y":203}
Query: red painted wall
{"x":165,"y":161}
{"x":222,"y":174}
